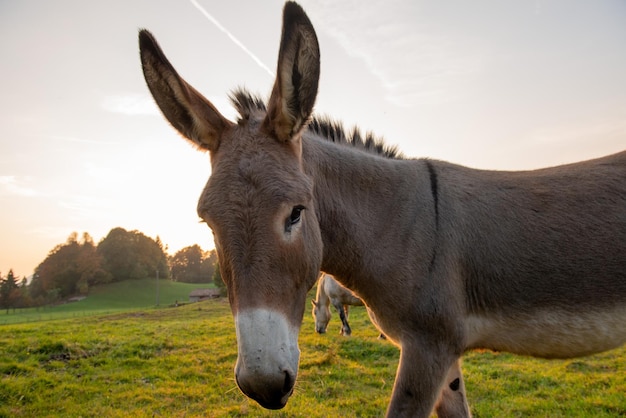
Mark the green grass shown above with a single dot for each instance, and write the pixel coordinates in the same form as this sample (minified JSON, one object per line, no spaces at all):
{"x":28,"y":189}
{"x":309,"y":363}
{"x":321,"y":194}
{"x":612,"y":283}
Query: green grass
{"x":110,"y":298}
{"x":178,"y":362}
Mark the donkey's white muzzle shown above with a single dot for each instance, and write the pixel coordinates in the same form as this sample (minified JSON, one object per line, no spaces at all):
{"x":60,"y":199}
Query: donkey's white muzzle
{"x":268,"y":356}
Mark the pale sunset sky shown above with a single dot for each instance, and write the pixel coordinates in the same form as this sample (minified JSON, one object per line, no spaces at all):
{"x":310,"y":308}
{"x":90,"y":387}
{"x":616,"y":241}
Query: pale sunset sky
{"x":490,"y":84}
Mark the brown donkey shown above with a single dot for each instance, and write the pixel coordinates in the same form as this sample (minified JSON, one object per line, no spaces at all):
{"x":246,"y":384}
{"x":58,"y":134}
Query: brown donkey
{"x":448,"y":258}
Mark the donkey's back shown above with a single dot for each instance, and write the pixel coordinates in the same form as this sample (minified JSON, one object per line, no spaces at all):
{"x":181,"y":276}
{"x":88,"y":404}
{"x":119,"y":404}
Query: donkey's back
{"x":542,"y":255}
{"x":338,"y":293}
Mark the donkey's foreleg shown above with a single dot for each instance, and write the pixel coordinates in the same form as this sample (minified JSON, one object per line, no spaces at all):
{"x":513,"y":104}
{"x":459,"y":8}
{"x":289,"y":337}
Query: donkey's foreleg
{"x":452,"y":402}
{"x":345,"y":327}
{"x":419,"y":381}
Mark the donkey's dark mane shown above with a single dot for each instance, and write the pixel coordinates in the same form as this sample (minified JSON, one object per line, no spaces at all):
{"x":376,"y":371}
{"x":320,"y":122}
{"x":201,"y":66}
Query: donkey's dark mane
{"x":248,"y":104}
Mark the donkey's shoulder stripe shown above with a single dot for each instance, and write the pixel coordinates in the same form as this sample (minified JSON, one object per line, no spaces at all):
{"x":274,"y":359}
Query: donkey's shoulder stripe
{"x":434,"y":190}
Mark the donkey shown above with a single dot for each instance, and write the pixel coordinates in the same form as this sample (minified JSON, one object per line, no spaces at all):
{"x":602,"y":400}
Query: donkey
{"x":448,"y":258}
{"x":452,"y":400}
{"x":329,"y":291}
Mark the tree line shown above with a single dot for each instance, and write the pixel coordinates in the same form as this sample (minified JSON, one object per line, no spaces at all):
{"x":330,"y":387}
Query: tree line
{"x":72,"y":268}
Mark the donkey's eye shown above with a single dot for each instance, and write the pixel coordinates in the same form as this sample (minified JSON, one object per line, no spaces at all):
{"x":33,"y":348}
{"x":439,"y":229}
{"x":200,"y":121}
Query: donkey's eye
{"x":294,"y":218}
{"x":296,"y":213}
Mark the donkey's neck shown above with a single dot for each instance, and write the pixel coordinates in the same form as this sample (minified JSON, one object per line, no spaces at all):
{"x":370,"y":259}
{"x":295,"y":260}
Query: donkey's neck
{"x":373,"y":212}
{"x":321,"y":297}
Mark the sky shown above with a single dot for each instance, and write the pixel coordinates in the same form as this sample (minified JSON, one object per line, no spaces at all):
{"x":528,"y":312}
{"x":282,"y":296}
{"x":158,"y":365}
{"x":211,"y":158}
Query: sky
{"x":507,"y":85}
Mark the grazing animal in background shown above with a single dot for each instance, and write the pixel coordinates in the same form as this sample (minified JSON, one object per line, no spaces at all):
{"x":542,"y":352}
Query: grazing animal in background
{"x":452,"y":401}
{"x":447,"y":257}
{"x":329,"y":291}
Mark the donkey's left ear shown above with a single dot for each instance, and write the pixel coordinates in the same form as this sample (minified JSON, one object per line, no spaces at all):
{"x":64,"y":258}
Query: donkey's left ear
{"x":297,"y":76}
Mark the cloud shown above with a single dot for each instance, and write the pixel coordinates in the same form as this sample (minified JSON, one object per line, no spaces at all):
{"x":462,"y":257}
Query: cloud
{"x":141,"y":104}
{"x":561,"y":143}
{"x":601,"y":131}
{"x":232,"y":37}
{"x":84,"y":206}
{"x":224,"y":106}
{"x":81,"y":140}
{"x":51,"y":232}
{"x":416,"y":61}
{"x":130,"y":104}
{"x":9,"y":185}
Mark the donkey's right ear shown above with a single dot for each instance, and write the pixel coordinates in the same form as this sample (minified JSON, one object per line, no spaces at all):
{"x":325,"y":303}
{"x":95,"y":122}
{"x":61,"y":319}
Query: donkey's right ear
{"x":187,"y":110}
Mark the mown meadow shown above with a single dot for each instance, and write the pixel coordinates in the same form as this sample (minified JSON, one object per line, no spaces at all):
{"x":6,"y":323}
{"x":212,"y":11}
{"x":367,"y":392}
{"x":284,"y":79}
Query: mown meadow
{"x":114,"y":297}
{"x":178,"y":362}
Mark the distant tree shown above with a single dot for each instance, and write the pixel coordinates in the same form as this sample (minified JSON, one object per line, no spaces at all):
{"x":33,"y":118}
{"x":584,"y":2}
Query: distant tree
{"x":25,"y":299}
{"x":118,"y":254}
{"x":9,"y":291}
{"x":68,"y":269}
{"x":164,"y":267}
{"x":186,"y":264}
{"x":159,"y":243}
{"x":210,"y":262}
{"x":15,"y":299}
{"x":90,"y":266}
{"x":37,"y":289}
{"x":217,"y":280}
{"x":132,"y":255}
{"x":192,"y":265}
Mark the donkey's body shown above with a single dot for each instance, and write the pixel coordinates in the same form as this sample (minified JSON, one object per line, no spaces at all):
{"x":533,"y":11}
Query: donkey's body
{"x":330,"y":292}
{"x":529,"y":262}
{"x":448,"y":258}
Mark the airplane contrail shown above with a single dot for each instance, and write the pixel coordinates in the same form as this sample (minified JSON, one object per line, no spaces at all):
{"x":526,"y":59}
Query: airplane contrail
{"x":232,"y":37}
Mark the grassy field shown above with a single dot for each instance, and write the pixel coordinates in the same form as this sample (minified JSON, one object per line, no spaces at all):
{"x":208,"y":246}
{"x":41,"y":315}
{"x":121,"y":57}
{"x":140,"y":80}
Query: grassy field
{"x":111,"y":298}
{"x":178,"y":362}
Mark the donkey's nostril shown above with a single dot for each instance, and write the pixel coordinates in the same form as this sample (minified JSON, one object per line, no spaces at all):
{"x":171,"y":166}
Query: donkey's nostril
{"x":289,"y":382}
{"x":455,"y":384}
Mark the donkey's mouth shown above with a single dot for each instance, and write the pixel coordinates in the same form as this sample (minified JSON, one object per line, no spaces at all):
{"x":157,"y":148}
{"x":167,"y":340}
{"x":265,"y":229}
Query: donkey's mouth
{"x":270,"y":399}
{"x":273,"y":405}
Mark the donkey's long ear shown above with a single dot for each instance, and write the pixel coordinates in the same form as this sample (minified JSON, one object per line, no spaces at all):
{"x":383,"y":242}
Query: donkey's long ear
{"x":186,"y":109}
{"x":297,"y":76}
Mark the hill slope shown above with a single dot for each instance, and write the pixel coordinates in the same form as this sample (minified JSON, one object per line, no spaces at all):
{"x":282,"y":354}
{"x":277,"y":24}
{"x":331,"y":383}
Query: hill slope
{"x":113,"y":297}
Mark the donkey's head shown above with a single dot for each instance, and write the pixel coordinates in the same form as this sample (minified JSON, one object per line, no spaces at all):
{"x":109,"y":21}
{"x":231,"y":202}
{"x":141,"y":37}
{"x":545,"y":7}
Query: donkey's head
{"x":258,"y":202}
{"x":321,"y":314}
{"x":321,"y":306}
